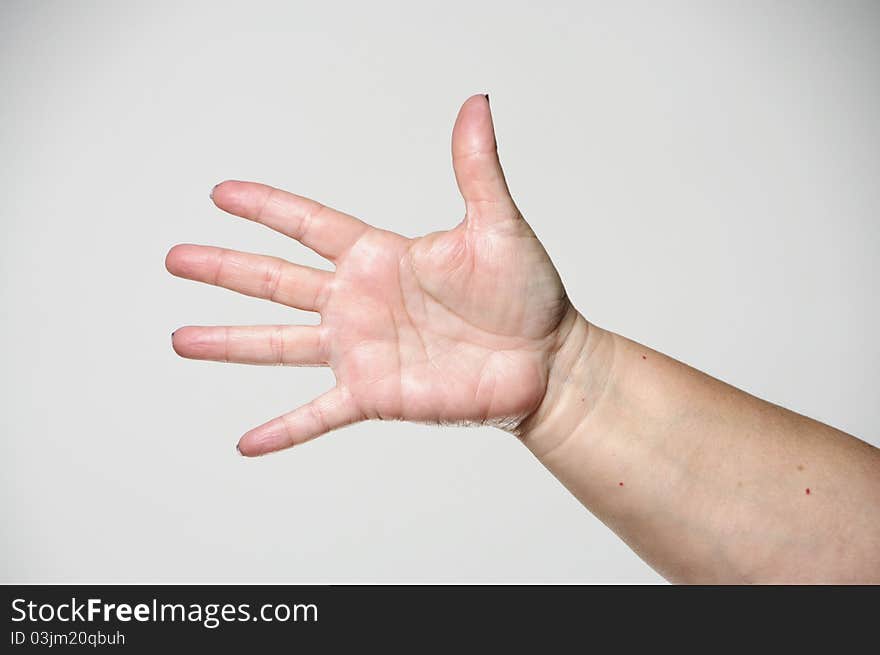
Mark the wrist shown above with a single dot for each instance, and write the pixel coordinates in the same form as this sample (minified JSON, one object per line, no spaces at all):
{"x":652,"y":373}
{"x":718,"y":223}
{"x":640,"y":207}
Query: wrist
{"x":579,"y":376}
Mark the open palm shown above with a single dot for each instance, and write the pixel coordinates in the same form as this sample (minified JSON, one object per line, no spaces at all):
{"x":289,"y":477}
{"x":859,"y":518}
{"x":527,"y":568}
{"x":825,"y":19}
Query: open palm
{"x":456,"y":326}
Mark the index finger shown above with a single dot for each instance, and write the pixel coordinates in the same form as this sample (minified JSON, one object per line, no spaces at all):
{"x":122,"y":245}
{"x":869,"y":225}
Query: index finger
{"x":328,"y":232}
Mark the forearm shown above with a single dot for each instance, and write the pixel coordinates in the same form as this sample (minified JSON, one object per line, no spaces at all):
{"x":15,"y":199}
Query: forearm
{"x":705,"y":482}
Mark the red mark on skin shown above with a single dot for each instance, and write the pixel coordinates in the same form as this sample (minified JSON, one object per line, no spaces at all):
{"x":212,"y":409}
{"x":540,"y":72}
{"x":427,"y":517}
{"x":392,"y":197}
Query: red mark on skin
{"x":620,"y":484}
{"x":644,"y":357}
{"x":808,"y":491}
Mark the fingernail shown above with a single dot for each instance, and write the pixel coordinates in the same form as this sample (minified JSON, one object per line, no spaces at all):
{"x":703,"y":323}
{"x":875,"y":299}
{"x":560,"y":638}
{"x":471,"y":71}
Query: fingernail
{"x":211,"y":195}
{"x":238,"y":451}
{"x":172,"y":334}
{"x":487,"y":96}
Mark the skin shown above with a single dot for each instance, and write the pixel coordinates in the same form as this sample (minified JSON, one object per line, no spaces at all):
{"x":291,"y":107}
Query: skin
{"x":705,"y":482}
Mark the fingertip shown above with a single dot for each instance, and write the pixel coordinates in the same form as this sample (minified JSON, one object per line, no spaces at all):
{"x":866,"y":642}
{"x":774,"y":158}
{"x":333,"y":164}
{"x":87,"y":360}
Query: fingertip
{"x":255,"y":444}
{"x":218,"y":191}
{"x":473,"y":130}
{"x":231,"y":195}
{"x":171,"y":258}
{"x":175,"y":259}
{"x":174,"y":342}
{"x":181,"y":340}
{"x":244,"y":451}
{"x":478,"y":99}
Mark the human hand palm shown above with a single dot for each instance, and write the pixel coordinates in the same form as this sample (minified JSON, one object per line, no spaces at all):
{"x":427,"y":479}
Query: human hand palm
{"x":456,"y":326}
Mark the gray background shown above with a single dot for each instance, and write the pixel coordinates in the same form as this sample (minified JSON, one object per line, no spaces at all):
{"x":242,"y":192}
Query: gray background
{"x":705,"y":176}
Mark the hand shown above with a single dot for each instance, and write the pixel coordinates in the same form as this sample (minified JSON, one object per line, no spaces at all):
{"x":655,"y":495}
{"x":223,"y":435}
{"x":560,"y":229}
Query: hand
{"x":456,"y":326}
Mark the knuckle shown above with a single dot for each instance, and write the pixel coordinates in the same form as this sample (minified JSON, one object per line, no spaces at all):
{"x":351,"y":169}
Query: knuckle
{"x":272,"y":275}
{"x":276,"y":345}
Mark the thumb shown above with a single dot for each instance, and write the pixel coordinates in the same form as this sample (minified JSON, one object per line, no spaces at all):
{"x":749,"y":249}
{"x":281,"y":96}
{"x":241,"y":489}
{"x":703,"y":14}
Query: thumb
{"x":475,"y":160}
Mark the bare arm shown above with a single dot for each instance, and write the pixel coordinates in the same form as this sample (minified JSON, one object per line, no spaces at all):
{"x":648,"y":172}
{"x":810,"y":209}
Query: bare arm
{"x":705,"y":482}
{"x":473,"y":324}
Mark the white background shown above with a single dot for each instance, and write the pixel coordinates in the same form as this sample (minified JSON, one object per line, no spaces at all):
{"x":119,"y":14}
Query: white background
{"x":705,"y":176}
